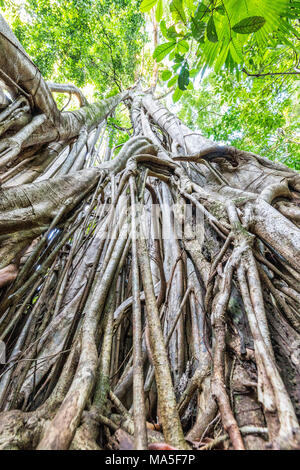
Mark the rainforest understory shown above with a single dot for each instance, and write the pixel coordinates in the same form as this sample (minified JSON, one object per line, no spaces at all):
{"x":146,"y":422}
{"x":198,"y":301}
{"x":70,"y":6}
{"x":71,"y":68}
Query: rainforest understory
{"x":147,"y":340}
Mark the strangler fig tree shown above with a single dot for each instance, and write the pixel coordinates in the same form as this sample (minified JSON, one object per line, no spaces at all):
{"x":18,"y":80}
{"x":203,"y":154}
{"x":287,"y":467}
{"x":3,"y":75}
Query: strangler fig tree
{"x":122,"y":334}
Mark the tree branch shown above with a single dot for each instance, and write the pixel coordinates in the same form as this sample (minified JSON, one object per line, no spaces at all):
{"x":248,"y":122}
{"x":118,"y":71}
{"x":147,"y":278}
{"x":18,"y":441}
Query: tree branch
{"x":269,"y":73}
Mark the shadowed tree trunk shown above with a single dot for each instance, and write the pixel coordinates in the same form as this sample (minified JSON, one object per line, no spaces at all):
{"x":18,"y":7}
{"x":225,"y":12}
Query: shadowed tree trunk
{"x":152,"y":297}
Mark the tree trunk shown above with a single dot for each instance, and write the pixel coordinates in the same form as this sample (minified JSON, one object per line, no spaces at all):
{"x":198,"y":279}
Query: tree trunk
{"x":147,"y":296}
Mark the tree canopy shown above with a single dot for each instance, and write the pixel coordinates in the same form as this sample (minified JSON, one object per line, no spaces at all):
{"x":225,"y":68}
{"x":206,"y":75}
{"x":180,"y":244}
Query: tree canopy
{"x":231,"y":65}
{"x":81,"y":41}
{"x":248,"y":53}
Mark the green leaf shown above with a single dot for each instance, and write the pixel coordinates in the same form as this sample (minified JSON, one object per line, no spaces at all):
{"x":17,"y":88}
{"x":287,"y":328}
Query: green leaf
{"x":249,"y":25}
{"x":183,"y":77}
{"x":293,"y":10}
{"x":159,"y":10}
{"x":229,"y":62}
{"x":236,"y":50}
{"x":211,"y":30}
{"x":163,"y":49}
{"x":165,"y":75}
{"x":177,"y":11}
{"x":172,"y":54}
{"x":197,"y":27}
{"x":201,"y":11}
{"x":172,"y":33}
{"x":168,"y":33}
{"x":176,"y":67}
{"x":177,"y":95}
{"x":198,"y":30}
{"x":182,"y":46}
{"x":163,"y":29}
{"x":220,"y":9}
{"x":178,"y":58}
{"x":221,"y":56}
{"x":172,"y":81}
{"x":189,"y":5}
{"x":146,"y":5}
{"x":193,"y":73}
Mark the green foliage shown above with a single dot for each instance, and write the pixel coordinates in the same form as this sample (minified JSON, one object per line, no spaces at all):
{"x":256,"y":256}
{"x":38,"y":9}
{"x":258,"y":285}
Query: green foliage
{"x":159,"y":10}
{"x":208,"y":45}
{"x":163,"y":50}
{"x":211,"y":32}
{"x":117,"y":137}
{"x":221,"y":33}
{"x":249,"y":25}
{"x":147,"y":5}
{"x":184,"y":77}
{"x":166,"y":75}
{"x":95,"y":42}
{"x":177,"y":11}
{"x":177,"y":94}
{"x":197,"y":26}
{"x":260,"y":116}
